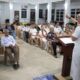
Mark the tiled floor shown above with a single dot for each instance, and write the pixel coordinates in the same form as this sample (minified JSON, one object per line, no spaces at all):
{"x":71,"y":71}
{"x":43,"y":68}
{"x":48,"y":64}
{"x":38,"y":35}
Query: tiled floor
{"x":33,"y":62}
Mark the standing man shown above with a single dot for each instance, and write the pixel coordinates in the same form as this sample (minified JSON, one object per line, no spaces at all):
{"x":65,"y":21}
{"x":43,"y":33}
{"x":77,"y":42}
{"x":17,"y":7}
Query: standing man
{"x":75,"y":66}
{"x":11,"y":49}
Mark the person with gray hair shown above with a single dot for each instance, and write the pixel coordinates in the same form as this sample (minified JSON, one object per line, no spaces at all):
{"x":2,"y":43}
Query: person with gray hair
{"x":52,"y":38}
{"x":75,"y":65}
{"x":11,"y":49}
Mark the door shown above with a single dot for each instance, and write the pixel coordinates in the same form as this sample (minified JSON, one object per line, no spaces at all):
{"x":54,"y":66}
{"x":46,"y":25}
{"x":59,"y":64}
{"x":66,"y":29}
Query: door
{"x":32,"y":15}
{"x":16,"y":15}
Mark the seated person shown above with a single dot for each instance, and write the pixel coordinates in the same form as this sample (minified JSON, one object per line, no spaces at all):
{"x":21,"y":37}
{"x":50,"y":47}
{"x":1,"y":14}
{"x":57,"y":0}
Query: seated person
{"x":52,"y":25}
{"x":51,"y":36}
{"x":13,"y":30}
{"x":37,"y":28}
{"x":27,"y":32}
{"x":33,"y":34}
{"x":18,"y":30}
{"x":57,"y":28}
{"x":46,"y":28}
{"x":24,"y":31}
{"x":42,"y":36}
{"x":11,"y":49}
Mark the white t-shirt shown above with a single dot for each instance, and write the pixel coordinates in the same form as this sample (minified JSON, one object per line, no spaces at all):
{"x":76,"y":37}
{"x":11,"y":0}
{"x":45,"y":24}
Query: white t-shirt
{"x":6,"y":41}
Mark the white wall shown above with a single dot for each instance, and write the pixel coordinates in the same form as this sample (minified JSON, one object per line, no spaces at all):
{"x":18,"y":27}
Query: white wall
{"x":75,"y":5}
{"x":60,"y":5}
{"x":4,"y":0}
{"x":34,"y":1}
{"x":19,"y":7}
{"x":4,"y":12}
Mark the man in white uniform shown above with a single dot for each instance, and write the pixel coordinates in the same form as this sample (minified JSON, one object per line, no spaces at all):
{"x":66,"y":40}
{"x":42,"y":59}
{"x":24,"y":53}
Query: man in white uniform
{"x":57,"y":28}
{"x":33,"y":33}
{"x":11,"y":49}
{"x":75,"y":66}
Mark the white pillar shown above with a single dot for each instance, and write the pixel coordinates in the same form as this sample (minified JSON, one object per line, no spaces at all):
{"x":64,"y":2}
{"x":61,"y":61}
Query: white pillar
{"x":11,"y":12}
{"x":66,"y":10}
{"x":49,"y":8}
{"x":28,"y":13}
{"x":36,"y":13}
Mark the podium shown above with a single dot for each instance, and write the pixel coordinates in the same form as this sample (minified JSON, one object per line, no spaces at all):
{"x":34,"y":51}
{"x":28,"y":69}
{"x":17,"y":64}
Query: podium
{"x":67,"y":48}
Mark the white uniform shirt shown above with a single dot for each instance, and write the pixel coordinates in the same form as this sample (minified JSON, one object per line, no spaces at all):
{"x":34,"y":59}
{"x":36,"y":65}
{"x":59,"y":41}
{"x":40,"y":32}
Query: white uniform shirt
{"x":6,"y":41}
{"x":57,"y":29}
{"x":27,"y":29}
{"x":33,"y":32}
{"x":23,"y":28}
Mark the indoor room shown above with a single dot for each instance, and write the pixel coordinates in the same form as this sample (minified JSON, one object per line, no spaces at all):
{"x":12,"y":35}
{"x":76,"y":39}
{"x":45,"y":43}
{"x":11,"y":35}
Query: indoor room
{"x":39,"y":40}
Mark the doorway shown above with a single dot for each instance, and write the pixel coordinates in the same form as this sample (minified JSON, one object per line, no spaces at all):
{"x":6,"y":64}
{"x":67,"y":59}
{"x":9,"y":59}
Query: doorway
{"x":16,"y":16}
{"x":32,"y":15}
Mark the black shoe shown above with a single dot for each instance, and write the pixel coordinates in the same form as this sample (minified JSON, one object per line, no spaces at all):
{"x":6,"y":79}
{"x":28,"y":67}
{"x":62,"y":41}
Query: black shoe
{"x":16,"y":66}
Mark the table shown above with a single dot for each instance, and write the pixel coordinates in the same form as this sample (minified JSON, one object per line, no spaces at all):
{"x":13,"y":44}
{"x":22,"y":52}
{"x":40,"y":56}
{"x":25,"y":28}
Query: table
{"x":67,"y":49}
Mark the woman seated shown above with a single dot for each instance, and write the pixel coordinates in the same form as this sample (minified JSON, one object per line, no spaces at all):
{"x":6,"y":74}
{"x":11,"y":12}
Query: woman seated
{"x":42,"y":36}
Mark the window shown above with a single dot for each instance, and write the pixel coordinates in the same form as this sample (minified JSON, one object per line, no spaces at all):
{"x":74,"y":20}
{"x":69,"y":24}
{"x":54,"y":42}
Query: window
{"x":77,"y":11}
{"x":74,"y":12}
{"x":53,"y":14}
{"x":24,"y":13}
{"x":32,"y":15}
{"x":60,"y":15}
{"x":40,"y":13}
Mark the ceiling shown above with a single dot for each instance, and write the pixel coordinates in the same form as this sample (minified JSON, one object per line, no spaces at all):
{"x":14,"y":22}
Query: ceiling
{"x":31,"y":1}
